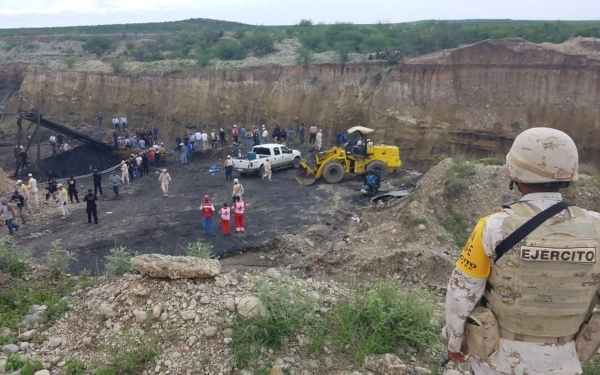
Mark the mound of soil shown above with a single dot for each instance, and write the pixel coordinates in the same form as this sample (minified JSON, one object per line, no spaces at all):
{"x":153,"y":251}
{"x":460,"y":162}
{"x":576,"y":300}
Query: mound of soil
{"x":77,"y":162}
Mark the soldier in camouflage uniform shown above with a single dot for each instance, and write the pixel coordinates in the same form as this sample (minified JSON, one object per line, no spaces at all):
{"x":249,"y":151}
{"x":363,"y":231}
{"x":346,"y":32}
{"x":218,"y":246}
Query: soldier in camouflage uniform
{"x":522,"y":308}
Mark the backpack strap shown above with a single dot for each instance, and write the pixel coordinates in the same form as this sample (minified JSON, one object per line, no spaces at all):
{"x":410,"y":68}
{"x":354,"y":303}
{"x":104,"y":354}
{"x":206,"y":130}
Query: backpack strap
{"x":525,"y":229}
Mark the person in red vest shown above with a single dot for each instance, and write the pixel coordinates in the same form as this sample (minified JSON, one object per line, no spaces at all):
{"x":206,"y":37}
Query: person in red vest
{"x":225,"y":213}
{"x":238,"y":216}
{"x":207,"y":211}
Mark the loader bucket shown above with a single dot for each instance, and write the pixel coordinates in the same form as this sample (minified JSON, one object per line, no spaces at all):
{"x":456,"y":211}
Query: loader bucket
{"x":305,"y":175}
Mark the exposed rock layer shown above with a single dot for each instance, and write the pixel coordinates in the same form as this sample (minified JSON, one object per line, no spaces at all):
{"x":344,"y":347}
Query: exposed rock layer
{"x":476,"y":97}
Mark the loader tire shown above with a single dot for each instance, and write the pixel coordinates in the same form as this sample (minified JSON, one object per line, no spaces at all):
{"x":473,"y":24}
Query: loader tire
{"x":333,"y":172}
{"x":378,"y":166}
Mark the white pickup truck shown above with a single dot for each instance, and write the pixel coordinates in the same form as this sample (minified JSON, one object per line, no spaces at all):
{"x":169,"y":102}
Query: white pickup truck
{"x":279,"y":156}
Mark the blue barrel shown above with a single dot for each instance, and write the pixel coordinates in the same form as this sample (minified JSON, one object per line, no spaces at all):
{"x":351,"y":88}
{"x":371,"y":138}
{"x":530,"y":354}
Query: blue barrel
{"x":252,"y":156}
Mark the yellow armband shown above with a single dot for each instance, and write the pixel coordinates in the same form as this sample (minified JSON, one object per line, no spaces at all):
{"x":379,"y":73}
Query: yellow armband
{"x":473,"y":260}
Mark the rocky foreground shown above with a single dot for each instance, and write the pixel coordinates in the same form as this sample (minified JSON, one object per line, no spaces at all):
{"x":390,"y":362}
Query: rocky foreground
{"x":190,"y":324}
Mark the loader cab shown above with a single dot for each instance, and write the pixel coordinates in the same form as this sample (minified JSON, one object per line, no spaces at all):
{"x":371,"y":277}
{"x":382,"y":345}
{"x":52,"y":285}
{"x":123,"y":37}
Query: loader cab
{"x":357,"y":146}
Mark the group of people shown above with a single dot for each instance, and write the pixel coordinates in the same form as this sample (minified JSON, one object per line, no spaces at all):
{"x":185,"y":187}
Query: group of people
{"x":238,"y":205}
{"x":141,"y":138}
{"x":58,"y":143}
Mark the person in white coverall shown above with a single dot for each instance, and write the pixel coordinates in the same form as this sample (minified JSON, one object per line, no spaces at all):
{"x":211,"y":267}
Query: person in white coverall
{"x":525,"y":283}
{"x":61,"y":201}
{"x":268,"y":170}
{"x":124,"y":173}
{"x":319,"y":141}
{"x":33,"y":190}
{"x":165,"y":180}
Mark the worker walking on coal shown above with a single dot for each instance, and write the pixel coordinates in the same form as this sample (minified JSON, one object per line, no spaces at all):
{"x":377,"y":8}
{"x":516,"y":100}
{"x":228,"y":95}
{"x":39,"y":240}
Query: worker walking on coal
{"x":522,"y":295}
{"x":72,"y":189}
{"x":319,"y":139}
{"x":97,"y":181}
{"x":52,"y":188}
{"x":125,"y":173}
{"x":228,"y":168}
{"x":238,"y":190}
{"x":9,"y":216}
{"x":164,"y":179}
{"x":268,"y":170}
{"x":238,"y":214}
{"x":61,"y":200}
{"x":23,"y":190}
{"x":33,"y":190}
{"x":20,"y":202}
{"x":208,"y":211}
{"x":92,"y":205}
{"x":24,"y":157}
{"x":116,"y":182}
{"x":225,"y":213}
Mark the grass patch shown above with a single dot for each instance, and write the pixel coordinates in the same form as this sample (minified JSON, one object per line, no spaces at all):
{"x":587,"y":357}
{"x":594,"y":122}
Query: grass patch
{"x":382,"y":320}
{"x":367,"y":321}
{"x":74,"y":366}
{"x":592,"y":368}
{"x":15,"y":362}
{"x":457,"y":182}
{"x":130,"y":351}
{"x":58,"y":259}
{"x":455,"y":224}
{"x":11,"y":261}
{"x":198,"y":249}
{"x":118,"y":262}
{"x":589,"y":169}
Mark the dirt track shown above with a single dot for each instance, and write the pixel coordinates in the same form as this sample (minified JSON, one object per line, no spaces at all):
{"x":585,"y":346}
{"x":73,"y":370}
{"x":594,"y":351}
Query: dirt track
{"x":146,"y":222}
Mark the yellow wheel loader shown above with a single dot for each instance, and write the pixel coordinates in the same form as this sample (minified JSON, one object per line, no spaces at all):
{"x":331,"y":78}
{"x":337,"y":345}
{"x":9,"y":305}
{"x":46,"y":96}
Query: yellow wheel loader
{"x":359,"y":155}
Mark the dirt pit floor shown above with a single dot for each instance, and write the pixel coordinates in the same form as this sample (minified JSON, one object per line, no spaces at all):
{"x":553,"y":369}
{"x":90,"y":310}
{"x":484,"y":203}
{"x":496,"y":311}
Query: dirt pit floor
{"x":146,"y":222}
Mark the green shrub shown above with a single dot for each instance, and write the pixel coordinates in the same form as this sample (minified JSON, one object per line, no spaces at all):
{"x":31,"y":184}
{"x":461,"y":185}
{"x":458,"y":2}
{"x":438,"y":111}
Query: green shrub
{"x":116,"y":65}
{"x":11,"y":261}
{"x":304,"y":56}
{"x":290,"y":312}
{"x":259,"y":42}
{"x":130,"y":351}
{"x":14,"y":362}
{"x":31,"y":368}
{"x":99,"y":44}
{"x":456,"y":182}
{"x":198,"y":249}
{"x":454,"y":223}
{"x":70,"y":61}
{"x":118,"y":262}
{"x":455,"y":185}
{"x":74,"y":367}
{"x":230,"y":50}
{"x":58,"y":259}
{"x":492,"y":161}
{"x":381,"y":320}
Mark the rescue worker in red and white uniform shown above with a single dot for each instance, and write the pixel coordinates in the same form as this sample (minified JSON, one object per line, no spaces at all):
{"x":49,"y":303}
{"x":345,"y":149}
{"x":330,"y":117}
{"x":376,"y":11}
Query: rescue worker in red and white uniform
{"x":238,"y":214}
{"x":207,"y":211}
{"x":225,"y":213}
{"x":522,"y":296}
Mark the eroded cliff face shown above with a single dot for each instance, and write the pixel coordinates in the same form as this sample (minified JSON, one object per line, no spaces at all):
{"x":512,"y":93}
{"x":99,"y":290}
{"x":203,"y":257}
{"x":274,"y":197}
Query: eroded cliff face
{"x":475,"y":98}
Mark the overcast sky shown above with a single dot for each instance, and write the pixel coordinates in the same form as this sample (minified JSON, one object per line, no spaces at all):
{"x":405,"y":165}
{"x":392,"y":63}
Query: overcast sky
{"x":43,"y":13}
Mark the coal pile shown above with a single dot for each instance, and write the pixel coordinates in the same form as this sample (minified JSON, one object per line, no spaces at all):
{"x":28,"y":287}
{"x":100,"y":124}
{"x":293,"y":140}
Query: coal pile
{"x":77,"y":161}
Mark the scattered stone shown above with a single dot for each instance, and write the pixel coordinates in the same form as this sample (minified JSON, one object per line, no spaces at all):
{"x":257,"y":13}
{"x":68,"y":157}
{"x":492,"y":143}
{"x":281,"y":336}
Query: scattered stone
{"x":55,"y":360}
{"x":157,"y":311}
{"x":451,"y":372}
{"x":210,"y":331}
{"x":55,"y":342}
{"x":228,"y":333}
{"x":87,"y":341}
{"x":107,"y":310}
{"x":421,"y":227}
{"x":273,"y":273}
{"x":422,"y":371}
{"x":26,"y":336}
{"x":192,"y":340}
{"x":10,"y":349}
{"x":42,"y":372}
{"x":385,"y":364}
{"x":164,"y":316}
{"x":156,"y":265}
{"x":328,"y":361}
{"x":276,"y":370}
{"x":205,"y":300}
{"x":251,"y":306}
{"x":23,"y":346}
{"x":140,"y":316}
{"x":230,"y":304}
{"x":188,"y":315}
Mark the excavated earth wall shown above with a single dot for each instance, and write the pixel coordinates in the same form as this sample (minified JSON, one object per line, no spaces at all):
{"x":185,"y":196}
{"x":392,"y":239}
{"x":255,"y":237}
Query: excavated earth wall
{"x":475,"y":98}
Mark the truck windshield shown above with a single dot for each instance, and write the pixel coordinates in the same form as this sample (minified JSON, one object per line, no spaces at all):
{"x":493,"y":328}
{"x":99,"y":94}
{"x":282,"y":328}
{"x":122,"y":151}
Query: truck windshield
{"x":262,"y":151}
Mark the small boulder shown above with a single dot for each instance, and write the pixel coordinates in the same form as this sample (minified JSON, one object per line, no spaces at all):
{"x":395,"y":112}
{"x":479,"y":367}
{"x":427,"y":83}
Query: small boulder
{"x":210,"y":331}
{"x":230,"y":304}
{"x":172,"y":267}
{"x":10,"y":349}
{"x":107,"y":310}
{"x":26,"y":336}
{"x":251,"y":306}
{"x":385,"y":364}
{"x":42,"y":372}
{"x":188,"y":315}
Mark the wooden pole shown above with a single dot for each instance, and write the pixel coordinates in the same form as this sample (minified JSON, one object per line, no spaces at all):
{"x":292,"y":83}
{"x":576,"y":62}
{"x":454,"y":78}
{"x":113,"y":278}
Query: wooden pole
{"x":20,"y":125}
{"x":39,"y":138}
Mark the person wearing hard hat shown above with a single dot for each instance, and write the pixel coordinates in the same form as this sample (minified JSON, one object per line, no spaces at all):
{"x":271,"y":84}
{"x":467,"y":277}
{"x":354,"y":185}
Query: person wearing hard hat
{"x":164,"y":179}
{"x":125,"y":173}
{"x":207,"y":212}
{"x":319,"y":140}
{"x":61,"y":201}
{"x":228,"y":168}
{"x":24,"y":190}
{"x":33,"y":190}
{"x":238,"y":189}
{"x":521,"y":297}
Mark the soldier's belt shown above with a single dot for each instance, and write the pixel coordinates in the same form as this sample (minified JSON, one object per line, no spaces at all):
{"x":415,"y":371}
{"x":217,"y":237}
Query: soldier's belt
{"x":506,"y":334}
